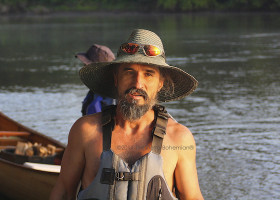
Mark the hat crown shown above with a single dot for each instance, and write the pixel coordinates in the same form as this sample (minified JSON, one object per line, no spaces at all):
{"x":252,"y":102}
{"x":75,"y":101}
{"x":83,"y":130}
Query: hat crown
{"x":141,"y":36}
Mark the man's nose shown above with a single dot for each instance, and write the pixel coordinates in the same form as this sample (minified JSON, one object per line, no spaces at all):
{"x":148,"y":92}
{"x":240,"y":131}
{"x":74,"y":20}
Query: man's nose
{"x":139,"y":80}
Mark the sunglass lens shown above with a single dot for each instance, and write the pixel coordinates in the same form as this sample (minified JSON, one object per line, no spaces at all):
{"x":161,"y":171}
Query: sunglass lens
{"x":152,"y":50}
{"x":130,"y":48}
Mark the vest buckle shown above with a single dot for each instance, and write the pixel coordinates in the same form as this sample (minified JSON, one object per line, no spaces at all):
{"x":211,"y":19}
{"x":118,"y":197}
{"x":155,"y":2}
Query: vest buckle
{"x":119,"y":177}
{"x":107,"y":176}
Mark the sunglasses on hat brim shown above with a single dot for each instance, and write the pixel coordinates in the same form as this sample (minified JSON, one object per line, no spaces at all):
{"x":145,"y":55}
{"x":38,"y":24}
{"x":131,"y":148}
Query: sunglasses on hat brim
{"x":149,"y":50}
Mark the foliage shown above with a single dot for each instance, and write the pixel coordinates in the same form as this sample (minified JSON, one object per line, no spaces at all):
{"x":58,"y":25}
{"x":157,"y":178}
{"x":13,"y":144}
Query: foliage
{"x":142,"y":5}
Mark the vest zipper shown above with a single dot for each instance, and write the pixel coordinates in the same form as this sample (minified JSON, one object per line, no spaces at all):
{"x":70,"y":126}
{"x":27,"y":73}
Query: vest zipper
{"x":160,"y":190}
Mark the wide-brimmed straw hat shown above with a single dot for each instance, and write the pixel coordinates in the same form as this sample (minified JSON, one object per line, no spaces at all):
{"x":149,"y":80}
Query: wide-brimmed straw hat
{"x":96,"y":53}
{"x":99,"y":76}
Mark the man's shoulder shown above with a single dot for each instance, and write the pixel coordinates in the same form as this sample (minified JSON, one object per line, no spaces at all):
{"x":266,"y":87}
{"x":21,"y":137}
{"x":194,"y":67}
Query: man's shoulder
{"x":88,"y":125}
{"x":89,"y":120}
{"x":178,"y":133}
{"x":175,"y":126}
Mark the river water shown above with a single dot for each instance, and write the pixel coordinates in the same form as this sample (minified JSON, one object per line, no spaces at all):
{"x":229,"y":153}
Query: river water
{"x":234,"y":113}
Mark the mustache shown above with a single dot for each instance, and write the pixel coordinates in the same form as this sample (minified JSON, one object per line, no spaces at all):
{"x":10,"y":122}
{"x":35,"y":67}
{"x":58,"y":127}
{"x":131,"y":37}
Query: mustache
{"x":139,"y":91}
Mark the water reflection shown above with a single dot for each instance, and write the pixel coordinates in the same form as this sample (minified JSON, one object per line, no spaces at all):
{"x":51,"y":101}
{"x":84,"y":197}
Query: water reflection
{"x":234,"y":114}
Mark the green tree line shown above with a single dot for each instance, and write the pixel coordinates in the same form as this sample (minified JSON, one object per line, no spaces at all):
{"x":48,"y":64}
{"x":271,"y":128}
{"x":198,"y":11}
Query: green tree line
{"x":10,"y":6}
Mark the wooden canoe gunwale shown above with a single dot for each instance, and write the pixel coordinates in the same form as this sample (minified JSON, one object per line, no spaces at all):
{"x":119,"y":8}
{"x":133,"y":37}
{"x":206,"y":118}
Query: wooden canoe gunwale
{"x":25,"y":167}
{"x":8,"y":124}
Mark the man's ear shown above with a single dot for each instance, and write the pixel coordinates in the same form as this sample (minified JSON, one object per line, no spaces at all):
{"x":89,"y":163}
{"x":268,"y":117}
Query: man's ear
{"x":161,"y":82}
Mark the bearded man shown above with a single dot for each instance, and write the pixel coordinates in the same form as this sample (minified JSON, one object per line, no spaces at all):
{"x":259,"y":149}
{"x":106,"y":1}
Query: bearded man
{"x":133,"y":150}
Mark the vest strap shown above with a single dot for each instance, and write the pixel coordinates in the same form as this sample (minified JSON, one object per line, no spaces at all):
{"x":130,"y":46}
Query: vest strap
{"x":160,"y":128}
{"x":108,"y":125}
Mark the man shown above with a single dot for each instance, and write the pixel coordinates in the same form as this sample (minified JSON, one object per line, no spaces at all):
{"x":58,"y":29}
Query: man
{"x":94,"y":103}
{"x":134,"y":150}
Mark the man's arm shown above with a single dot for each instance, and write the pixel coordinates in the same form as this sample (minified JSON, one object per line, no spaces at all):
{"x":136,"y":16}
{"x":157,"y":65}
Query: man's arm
{"x":72,"y":166}
{"x":185,"y":171}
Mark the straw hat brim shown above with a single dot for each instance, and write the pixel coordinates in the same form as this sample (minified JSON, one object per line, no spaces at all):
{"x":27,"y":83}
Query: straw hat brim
{"x":99,"y":77}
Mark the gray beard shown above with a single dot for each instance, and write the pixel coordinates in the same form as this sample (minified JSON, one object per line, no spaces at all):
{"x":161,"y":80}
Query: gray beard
{"x":131,"y":111}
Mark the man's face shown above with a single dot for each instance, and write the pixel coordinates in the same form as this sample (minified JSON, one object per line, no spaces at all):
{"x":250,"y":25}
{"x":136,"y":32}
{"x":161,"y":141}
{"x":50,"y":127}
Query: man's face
{"x":137,"y":86}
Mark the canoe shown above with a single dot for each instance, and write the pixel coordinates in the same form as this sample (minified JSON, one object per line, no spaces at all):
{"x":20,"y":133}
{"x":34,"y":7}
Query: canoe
{"x":27,"y":177}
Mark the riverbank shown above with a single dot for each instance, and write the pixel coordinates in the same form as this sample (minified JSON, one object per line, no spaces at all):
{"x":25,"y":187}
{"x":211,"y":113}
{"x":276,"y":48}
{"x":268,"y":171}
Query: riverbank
{"x":127,"y":13}
{"x":174,"y":6}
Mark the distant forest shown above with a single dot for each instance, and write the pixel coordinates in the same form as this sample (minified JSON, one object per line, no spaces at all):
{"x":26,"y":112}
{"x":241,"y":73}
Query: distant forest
{"x":175,"y":6}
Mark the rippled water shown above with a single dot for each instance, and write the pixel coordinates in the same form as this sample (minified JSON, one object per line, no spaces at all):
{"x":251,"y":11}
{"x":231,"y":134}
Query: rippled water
{"x":234,"y":113}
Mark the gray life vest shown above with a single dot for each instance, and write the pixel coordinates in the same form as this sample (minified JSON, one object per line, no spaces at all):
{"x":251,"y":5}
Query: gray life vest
{"x":116,"y":180}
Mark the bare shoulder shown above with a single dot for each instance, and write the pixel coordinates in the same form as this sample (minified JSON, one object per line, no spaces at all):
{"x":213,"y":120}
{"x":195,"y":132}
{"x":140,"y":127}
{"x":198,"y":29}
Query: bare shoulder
{"x":180,"y":139}
{"x":86,"y":127}
{"x":178,"y":142}
{"x":179,"y":134}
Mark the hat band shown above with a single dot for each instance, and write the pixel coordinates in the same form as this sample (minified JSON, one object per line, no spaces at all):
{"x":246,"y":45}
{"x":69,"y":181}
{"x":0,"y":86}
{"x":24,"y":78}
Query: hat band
{"x":149,"y":50}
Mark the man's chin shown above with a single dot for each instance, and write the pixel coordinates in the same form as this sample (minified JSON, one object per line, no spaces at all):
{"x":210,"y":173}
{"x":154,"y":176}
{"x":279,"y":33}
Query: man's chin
{"x":133,"y":110}
{"x":137,"y":102}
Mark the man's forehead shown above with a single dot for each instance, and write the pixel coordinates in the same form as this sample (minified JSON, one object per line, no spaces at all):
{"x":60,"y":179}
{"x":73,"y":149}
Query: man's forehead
{"x":139,"y":66}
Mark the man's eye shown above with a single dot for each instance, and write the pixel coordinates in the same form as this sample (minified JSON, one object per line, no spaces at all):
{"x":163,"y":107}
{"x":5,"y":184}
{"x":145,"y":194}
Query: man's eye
{"x":129,"y":72}
{"x":149,"y":74}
